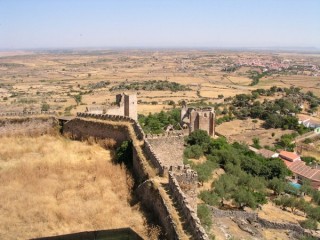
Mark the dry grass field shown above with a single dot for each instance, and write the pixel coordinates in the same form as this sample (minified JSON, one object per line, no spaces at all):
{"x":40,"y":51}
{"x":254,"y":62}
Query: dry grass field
{"x":245,"y":130}
{"x":29,"y":79}
{"x":50,"y":185}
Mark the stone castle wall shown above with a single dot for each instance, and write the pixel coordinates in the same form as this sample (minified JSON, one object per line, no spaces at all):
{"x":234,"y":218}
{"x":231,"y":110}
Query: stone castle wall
{"x":80,"y":129}
{"x":198,"y":118}
{"x":28,"y":126}
{"x":85,"y":127}
{"x":182,"y":180}
{"x":188,"y":211}
{"x":169,"y":149}
{"x":188,"y":182}
{"x":179,"y":174}
{"x":126,"y":105}
{"x":116,"y":118}
{"x":153,"y":201}
{"x":254,"y":218}
{"x":25,"y":114}
{"x":152,"y":156}
{"x":88,"y":125}
{"x":115,"y":110}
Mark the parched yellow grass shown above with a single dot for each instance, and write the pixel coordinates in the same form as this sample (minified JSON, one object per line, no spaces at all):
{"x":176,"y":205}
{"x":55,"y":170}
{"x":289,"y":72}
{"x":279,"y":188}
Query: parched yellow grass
{"x":226,"y":92}
{"x":275,"y":234}
{"x":315,"y":154}
{"x":274,"y":213}
{"x":241,"y":80}
{"x":51,"y":185}
{"x":137,"y":144}
{"x":245,"y":130}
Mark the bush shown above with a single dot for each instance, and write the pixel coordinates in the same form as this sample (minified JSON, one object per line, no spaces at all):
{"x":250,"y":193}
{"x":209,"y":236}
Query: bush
{"x":309,"y":160}
{"x":124,"y":153}
{"x":307,"y":141}
{"x":194,"y":151}
{"x":78,"y":98}
{"x":205,"y":216}
{"x":151,"y":85}
{"x":313,"y":213}
{"x":200,"y":138}
{"x":309,"y":224}
{"x":256,"y":143}
{"x":316,"y":197}
{"x":307,"y":238}
{"x":209,"y":198}
{"x":204,"y":170}
{"x":156,"y":123}
{"x":277,"y":185}
{"x":45,"y":107}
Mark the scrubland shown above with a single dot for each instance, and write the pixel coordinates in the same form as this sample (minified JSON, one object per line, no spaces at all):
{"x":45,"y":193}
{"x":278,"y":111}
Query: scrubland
{"x":50,"y":185}
{"x":29,"y":81}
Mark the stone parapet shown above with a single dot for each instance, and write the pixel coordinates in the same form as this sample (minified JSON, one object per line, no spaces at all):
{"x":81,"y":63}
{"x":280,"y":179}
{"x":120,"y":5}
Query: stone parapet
{"x":187,"y":210}
{"x":28,"y":113}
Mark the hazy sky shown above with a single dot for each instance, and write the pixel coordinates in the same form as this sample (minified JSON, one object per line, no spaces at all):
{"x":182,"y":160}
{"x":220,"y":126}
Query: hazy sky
{"x":159,"y":23}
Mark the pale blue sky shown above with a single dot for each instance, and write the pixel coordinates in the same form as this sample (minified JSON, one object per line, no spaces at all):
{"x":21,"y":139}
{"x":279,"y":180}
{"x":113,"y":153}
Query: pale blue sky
{"x":161,"y":23}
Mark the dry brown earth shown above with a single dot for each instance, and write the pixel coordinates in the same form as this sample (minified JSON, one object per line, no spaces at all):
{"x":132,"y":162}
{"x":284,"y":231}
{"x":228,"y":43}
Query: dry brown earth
{"x":51,"y":186}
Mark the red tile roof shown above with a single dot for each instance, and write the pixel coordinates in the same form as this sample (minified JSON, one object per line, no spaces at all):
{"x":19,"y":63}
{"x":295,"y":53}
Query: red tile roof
{"x":266,"y":153}
{"x":289,"y":155}
{"x":300,"y":168}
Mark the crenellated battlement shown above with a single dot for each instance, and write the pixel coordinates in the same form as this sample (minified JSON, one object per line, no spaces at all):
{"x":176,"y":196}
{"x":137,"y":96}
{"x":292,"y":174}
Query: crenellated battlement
{"x":28,"y":113}
{"x":188,"y":211}
{"x":117,"y":118}
{"x":147,"y":164}
{"x":170,"y":134}
{"x":183,"y":180}
{"x":188,"y":182}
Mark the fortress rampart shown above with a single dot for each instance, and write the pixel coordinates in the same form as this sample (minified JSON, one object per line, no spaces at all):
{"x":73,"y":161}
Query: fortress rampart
{"x":182,"y":185}
{"x":168,"y":148}
{"x":29,"y":113}
{"x":146,"y":165}
{"x":150,"y":195}
{"x":188,"y":211}
{"x":29,"y":126}
{"x":177,"y":175}
{"x":188,"y":182}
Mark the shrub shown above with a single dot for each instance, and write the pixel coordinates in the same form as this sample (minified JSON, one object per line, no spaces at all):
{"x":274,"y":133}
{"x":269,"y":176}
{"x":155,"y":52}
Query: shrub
{"x":204,"y":170}
{"x":194,"y":151}
{"x":124,"y":153}
{"x":309,"y":160}
{"x":199,"y":137}
{"x":205,"y":216}
{"x":209,"y":198}
{"x":256,"y":143}
{"x":45,"y":107}
{"x":156,"y":123}
{"x":307,"y":141}
{"x":309,"y":224}
{"x":78,"y":98}
{"x":151,"y":85}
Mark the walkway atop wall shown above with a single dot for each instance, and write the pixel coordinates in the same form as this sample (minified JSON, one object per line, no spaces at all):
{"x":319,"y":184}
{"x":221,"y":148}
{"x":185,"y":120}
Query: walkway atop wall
{"x":65,"y":118}
{"x":173,"y":201}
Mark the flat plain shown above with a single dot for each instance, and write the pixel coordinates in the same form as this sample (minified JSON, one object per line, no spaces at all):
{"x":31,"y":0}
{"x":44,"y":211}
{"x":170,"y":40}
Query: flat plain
{"x":67,"y":82}
{"x":29,"y":79}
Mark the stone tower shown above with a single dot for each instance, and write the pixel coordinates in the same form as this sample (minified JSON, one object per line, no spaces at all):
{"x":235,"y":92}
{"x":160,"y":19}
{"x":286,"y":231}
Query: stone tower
{"x":130,"y":106}
{"x":198,"y":118}
{"x":127,"y":106}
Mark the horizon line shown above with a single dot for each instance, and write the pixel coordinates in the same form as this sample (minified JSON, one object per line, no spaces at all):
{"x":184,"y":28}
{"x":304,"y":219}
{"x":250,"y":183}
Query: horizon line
{"x":235,"y":48}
